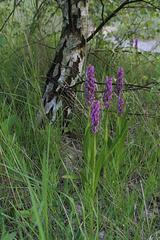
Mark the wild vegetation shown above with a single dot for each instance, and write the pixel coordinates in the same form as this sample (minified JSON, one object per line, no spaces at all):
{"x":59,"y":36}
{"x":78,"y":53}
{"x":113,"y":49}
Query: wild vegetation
{"x":69,"y":182}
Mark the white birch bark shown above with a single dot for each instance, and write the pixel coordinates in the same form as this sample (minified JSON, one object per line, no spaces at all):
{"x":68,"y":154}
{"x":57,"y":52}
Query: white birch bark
{"x":69,"y":58}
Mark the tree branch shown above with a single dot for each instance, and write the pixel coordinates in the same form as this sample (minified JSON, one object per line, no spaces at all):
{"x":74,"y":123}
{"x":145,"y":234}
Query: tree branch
{"x":102,"y":13}
{"x":126,"y":2}
{"x":152,"y":5}
{"x":128,"y":87}
{"x":113,"y":14}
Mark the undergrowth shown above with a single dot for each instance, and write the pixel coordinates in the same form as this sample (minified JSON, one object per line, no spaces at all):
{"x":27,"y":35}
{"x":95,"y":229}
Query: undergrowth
{"x":44,"y":192}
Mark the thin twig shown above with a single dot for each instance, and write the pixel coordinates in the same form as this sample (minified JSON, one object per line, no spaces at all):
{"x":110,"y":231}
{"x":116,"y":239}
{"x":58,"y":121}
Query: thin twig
{"x":114,"y":13}
{"x":102,"y":13}
{"x":111,"y":16}
{"x":152,"y":5}
{"x":129,"y":86}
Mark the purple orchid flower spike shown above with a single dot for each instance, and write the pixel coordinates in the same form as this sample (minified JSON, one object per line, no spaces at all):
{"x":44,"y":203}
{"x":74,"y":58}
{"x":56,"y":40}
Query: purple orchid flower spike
{"x":95,"y":116}
{"x":120,"y":81}
{"x":90,"y":84}
{"x":108,"y":92}
{"x":120,"y":104}
{"x":136,"y":43}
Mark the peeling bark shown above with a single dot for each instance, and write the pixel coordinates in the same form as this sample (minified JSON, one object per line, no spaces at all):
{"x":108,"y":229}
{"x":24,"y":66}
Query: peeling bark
{"x":69,"y":58}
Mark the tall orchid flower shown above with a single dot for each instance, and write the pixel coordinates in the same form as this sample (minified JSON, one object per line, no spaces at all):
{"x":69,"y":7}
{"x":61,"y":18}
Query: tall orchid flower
{"x":90,"y":84}
{"x":95,"y":116}
{"x":108,"y":92}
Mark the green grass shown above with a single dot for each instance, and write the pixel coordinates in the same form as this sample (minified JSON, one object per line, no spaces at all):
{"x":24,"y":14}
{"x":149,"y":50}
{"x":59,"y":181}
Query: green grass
{"x":44,"y":191}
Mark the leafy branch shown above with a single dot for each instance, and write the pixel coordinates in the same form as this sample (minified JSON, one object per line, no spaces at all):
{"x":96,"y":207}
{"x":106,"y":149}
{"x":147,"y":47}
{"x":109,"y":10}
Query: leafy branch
{"x":114,"y":13}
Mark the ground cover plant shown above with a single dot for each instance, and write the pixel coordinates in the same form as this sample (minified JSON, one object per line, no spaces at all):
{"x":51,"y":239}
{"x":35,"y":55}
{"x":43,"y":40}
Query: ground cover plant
{"x":97,"y":177}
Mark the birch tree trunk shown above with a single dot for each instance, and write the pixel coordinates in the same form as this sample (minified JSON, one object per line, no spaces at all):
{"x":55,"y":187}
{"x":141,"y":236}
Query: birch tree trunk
{"x":69,"y":58}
